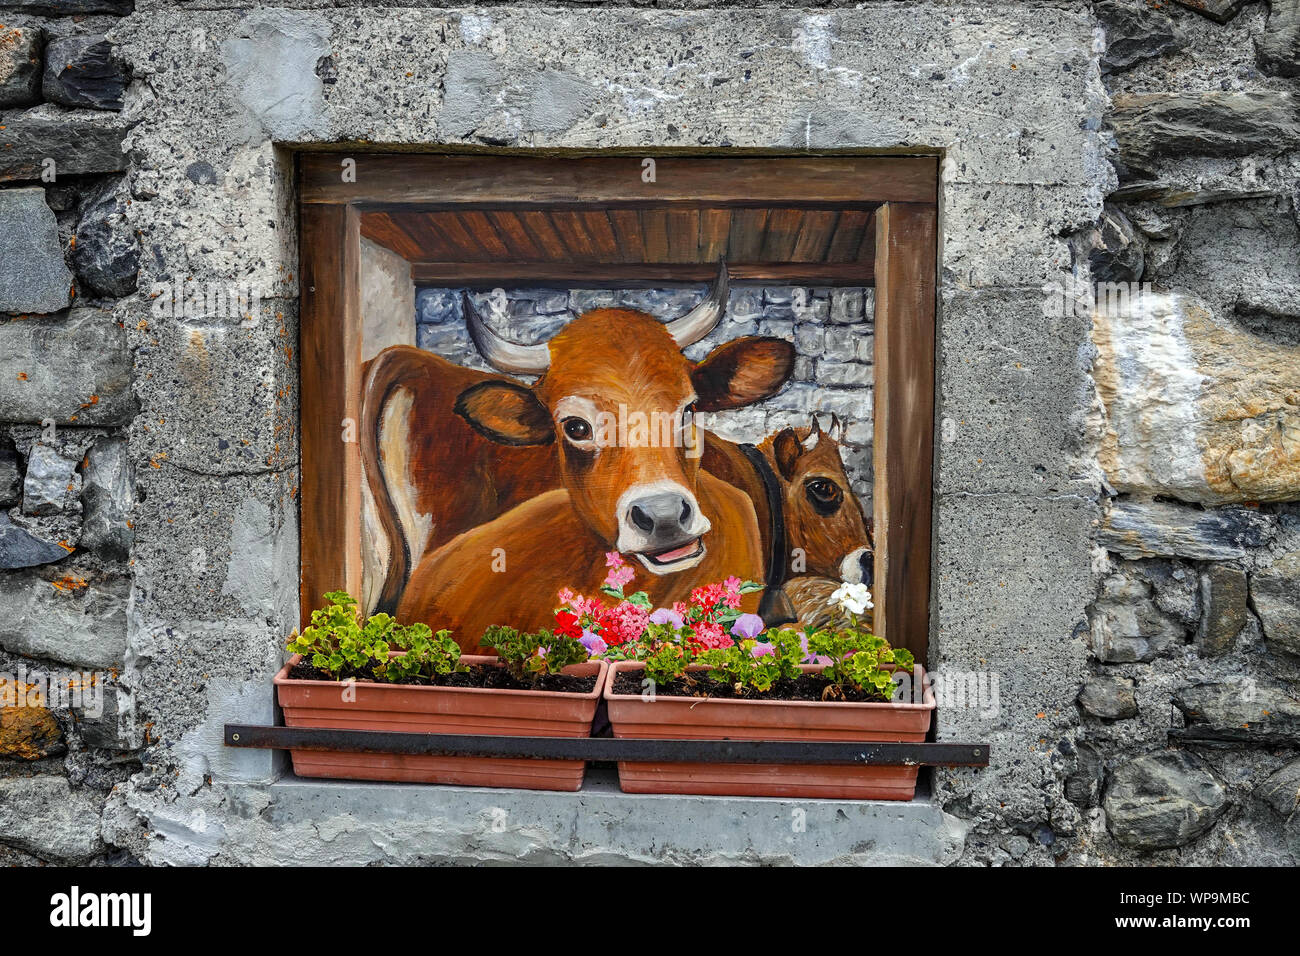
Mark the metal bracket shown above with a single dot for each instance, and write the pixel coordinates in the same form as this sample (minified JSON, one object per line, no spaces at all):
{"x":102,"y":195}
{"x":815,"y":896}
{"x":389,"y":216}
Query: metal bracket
{"x":870,"y":753}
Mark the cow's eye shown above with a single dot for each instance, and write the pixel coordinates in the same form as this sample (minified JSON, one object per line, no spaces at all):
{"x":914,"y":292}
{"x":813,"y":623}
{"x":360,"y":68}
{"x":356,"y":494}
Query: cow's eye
{"x":576,"y":429}
{"x":823,"y":491}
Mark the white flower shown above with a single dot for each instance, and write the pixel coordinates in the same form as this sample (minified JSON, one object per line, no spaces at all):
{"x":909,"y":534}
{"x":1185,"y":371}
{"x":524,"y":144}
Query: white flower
{"x":854,"y":598}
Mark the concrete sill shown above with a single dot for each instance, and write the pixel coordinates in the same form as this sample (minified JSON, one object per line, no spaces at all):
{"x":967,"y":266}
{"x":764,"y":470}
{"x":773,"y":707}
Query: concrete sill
{"x":335,"y":822}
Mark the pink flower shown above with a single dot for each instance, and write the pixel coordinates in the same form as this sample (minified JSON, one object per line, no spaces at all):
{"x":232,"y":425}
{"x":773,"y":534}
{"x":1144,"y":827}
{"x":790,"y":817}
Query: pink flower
{"x":566,"y":596}
{"x":623,"y":623}
{"x":619,"y":576}
{"x":613,"y":559}
{"x":748,"y":625}
{"x":762,"y":650}
{"x":709,"y":635}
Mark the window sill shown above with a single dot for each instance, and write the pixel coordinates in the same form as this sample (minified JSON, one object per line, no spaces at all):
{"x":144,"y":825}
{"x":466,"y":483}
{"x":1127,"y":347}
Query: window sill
{"x":336,"y":822}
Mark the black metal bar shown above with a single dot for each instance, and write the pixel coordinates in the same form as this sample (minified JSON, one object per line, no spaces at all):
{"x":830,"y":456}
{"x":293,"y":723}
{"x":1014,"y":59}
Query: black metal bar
{"x":612,"y":748}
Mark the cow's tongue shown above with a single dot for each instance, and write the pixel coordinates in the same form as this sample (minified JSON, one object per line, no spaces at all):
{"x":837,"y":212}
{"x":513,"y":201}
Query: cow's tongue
{"x":684,"y":551}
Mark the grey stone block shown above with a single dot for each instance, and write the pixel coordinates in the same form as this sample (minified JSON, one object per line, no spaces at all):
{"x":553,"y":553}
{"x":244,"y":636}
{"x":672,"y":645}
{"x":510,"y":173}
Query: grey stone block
{"x":51,"y":484}
{"x":20,"y":65}
{"x":1242,"y":712}
{"x":1110,"y":698}
{"x":1148,"y":529}
{"x":1135,"y":32}
{"x":79,"y":625}
{"x":33,"y":275}
{"x":1281,"y":790}
{"x":44,"y":816}
{"x":1277,"y":49}
{"x":599,"y":824}
{"x":1113,"y":248}
{"x":20,"y":548}
{"x":1127,"y":625}
{"x":1163,"y":800}
{"x":1223,"y":593}
{"x":71,"y":8}
{"x":11,"y":479}
{"x":116,"y":727}
{"x":1220,"y":11}
{"x":84,"y":71}
{"x":106,"y":498}
{"x":1275,"y":595}
{"x":1153,"y":125}
{"x":845,"y":374}
{"x":107,"y":254}
{"x":848,"y":306}
{"x":65,"y":144}
{"x":1083,"y":786}
{"x":77,"y":369}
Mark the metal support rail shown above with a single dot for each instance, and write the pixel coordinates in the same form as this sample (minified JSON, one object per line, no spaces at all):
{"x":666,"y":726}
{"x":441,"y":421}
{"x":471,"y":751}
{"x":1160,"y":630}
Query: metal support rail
{"x":870,"y":753}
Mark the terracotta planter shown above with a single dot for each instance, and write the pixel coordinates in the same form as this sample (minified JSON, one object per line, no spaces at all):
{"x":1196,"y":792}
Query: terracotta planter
{"x":441,"y":710}
{"x":703,"y":719}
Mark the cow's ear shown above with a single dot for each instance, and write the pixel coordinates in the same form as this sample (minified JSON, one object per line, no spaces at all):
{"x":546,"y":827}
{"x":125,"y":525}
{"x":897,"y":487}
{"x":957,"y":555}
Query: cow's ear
{"x":787,"y":448}
{"x":507,"y":413}
{"x":742,"y":372}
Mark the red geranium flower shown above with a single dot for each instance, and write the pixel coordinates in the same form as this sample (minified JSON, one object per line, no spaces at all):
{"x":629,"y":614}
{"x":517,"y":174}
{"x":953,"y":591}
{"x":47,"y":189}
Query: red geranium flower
{"x":568,"y":624}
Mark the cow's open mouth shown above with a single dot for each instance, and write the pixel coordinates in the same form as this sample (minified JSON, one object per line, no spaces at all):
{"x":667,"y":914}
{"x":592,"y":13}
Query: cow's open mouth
{"x":675,"y":558}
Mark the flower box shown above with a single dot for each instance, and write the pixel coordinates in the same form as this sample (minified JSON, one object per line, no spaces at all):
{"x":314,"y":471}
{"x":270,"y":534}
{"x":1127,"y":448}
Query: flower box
{"x":441,"y":710}
{"x":697,"y":718}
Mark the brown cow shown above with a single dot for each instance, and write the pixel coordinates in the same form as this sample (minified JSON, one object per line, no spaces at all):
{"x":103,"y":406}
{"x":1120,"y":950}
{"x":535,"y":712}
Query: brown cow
{"x":648,"y":500}
{"x":429,"y":475}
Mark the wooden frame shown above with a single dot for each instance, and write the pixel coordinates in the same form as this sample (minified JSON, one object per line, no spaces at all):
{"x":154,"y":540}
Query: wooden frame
{"x":895,"y":195}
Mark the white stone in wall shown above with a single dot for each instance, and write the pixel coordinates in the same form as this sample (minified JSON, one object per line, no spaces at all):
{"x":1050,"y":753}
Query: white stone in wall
{"x":1196,"y":407}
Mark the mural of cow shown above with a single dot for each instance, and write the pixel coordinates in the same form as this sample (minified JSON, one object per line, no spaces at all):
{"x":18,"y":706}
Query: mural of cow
{"x":430,"y":476}
{"x":650,"y":501}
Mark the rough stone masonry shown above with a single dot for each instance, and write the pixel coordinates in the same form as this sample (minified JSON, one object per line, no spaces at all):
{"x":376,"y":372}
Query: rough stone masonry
{"x":1117,"y":476}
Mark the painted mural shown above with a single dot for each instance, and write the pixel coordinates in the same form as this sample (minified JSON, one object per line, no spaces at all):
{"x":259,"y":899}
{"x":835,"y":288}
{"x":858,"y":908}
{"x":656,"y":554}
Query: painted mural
{"x":634,"y":434}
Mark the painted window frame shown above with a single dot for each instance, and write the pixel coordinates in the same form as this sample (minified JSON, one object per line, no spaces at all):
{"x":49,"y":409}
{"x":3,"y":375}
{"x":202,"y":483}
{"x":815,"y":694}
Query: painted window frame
{"x":904,"y":190}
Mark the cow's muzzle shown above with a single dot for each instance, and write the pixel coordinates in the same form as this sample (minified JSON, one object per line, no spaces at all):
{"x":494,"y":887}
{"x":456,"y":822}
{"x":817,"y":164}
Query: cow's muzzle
{"x":663,"y":527}
{"x":859,"y":567}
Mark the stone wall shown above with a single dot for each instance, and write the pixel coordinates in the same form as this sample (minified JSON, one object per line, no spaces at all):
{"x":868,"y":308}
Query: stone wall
{"x":832,"y":331}
{"x":67,"y":488}
{"x":1198,"y":431}
{"x":1117,"y":530}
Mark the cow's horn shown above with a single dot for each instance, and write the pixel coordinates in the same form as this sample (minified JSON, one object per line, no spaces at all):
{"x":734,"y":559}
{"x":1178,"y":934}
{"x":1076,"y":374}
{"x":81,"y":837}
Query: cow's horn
{"x":702,"y":319}
{"x":502,"y":354}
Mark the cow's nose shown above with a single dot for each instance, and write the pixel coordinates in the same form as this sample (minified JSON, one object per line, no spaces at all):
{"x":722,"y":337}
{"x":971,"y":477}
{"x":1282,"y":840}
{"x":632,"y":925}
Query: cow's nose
{"x":660,"y":513}
{"x":867,"y":562}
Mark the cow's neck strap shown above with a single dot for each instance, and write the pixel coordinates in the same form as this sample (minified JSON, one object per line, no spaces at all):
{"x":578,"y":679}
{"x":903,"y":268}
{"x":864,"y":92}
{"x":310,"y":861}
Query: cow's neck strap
{"x":776,"y":550}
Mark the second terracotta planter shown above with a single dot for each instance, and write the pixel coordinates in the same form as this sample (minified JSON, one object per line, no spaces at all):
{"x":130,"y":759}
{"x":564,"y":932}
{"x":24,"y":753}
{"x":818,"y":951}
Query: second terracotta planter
{"x":633,"y":715}
{"x":441,"y":710}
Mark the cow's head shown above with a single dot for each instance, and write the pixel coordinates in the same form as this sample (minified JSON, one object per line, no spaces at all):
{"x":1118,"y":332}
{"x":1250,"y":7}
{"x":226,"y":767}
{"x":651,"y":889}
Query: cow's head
{"x":821,"y":512}
{"x":619,"y":399}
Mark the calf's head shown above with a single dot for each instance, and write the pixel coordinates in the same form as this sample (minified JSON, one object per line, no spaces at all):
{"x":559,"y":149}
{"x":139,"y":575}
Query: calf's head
{"x":821,"y":512}
{"x":618,"y":398}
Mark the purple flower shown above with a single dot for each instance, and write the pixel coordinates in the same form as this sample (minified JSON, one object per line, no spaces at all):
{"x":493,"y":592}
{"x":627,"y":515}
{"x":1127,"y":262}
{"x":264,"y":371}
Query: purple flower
{"x":666,"y":616}
{"x":762,"y":650}
{"x":592,"y":642}
{"x":748,"y":625}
